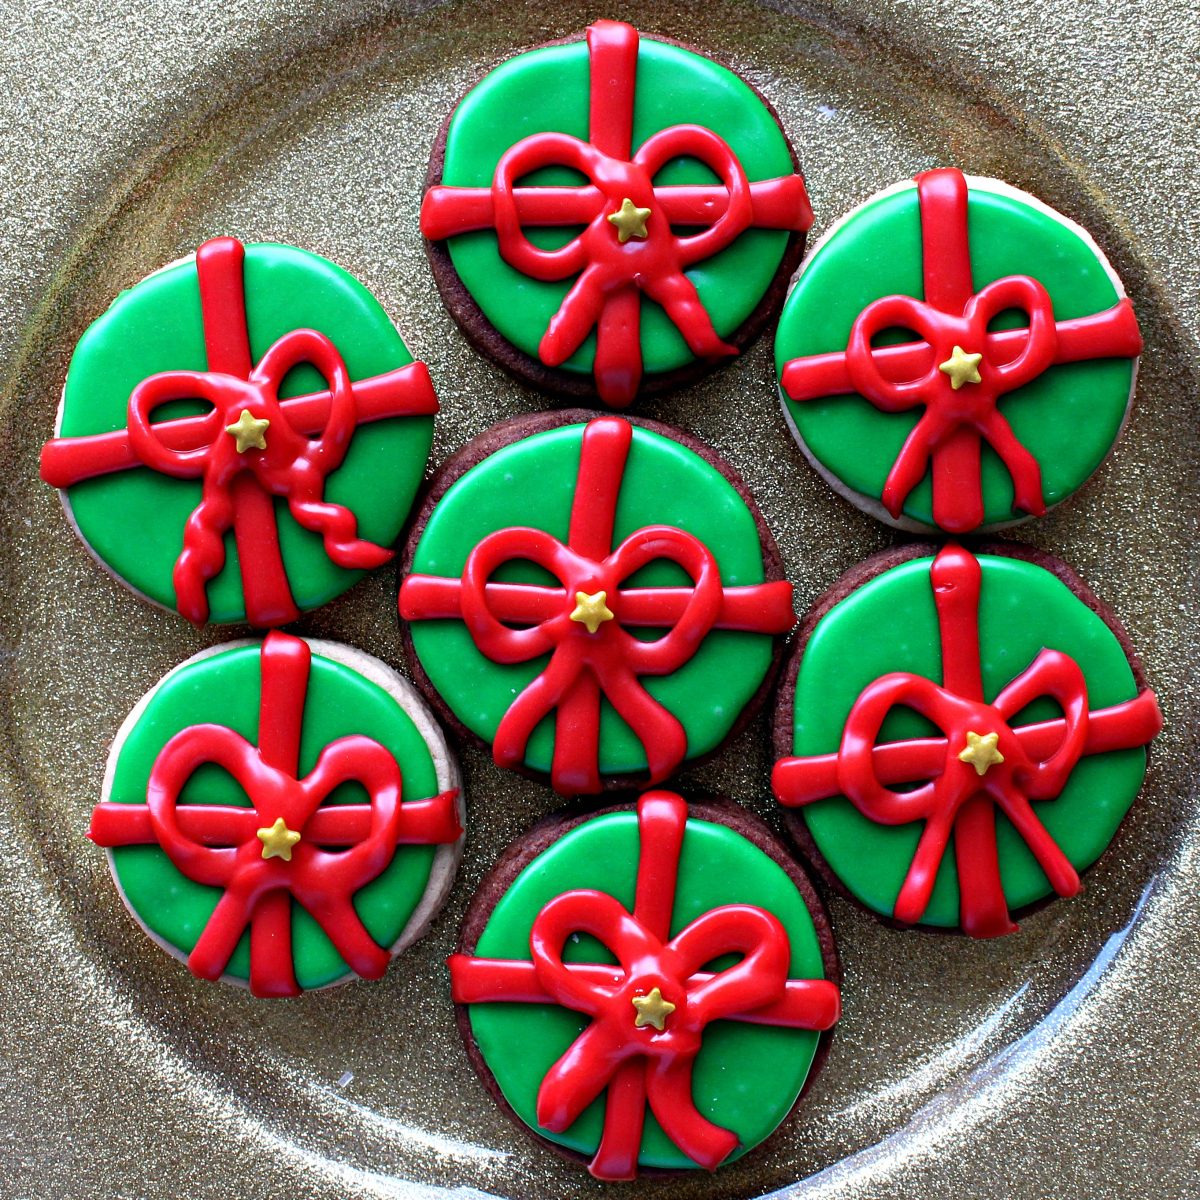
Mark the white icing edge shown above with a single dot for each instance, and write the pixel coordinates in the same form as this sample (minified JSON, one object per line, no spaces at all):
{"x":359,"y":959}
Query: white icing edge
{"x":446,"y":857}
{"x":871,"y":505}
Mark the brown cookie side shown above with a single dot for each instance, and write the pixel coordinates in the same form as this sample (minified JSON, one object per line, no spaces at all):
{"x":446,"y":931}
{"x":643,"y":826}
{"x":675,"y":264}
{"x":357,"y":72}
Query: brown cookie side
{"x":505,"y":433}
{"x":856,"y":577}
{"x":490,"y":342}
{"x":539,"y":838}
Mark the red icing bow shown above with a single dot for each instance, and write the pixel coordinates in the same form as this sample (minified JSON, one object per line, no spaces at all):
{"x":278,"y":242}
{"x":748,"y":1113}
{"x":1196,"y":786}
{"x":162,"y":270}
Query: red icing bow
{"x":980,"y":762}
{"x":960,"y":409}
{"x":272,"y":455}
{"x":613,"y":263}
{"x":268,"y":855}
{"x":649,"y":1013}
{"x":603,"y":659}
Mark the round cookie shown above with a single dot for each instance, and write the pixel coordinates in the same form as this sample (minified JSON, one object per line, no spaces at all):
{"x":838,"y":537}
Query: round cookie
{"x":283,"y":815}
{"x":624,"y":238}
{"x":596,"y":598}
{"x":648,"y":988}
{"x":956,"y":355}
{"x":960,"y":735}
{"x":241,"y":434}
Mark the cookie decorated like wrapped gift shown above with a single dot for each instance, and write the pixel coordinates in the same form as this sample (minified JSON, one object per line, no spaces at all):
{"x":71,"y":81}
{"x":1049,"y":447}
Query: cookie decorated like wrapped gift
{"x":241,"y":434}
{"x":960,"y":735}
{"x":596,"y":598}
{"x":648,"y":988}
{"x":956,"y":355}
{"x":283,"y":815}
{"x":612,"y":214}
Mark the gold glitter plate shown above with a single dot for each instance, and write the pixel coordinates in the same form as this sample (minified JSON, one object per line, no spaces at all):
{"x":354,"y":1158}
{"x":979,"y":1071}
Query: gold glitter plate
{"x":1061,"y":1061}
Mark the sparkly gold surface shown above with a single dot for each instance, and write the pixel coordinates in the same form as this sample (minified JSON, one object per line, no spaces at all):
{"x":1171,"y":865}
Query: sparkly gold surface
{"x":1057,"y":1062}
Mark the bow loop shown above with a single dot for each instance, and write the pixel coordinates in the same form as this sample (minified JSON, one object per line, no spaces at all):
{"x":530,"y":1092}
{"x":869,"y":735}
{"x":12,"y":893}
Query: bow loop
{"x":857,"y":775}
{"x":327,"y":449}
{"x":680,"y":643}
{"x":532,"y":154}
{"x":179,"y":759}
{"x":520,"y":543}
{"x":1040,"y":343}
{"x":604,"y":918}
{"x":356,"y":759}
{"x":757,"y":979}
{"x":892,"y":312}
{"x":1056,"y":676}
{"x":167,"y":386}
{"x":694,"y":141}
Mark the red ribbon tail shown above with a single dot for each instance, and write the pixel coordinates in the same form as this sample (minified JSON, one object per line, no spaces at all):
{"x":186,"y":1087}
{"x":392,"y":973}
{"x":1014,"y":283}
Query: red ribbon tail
{"x":219,"y":938}
{"x":669,"y":1090}
{"x":918,"y":884}
{"x":578,"y":1077}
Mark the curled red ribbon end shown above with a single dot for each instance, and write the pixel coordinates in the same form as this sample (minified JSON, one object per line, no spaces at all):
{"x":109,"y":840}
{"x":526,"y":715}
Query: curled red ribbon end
{"x":640,"y":1064}
{"x":304,"y":441}
{"x":222,"y":846}
{"x":609,"y":661}
{"x":612,"y":274}
{"x":1029,"y":763}
{"x":957,"y":420}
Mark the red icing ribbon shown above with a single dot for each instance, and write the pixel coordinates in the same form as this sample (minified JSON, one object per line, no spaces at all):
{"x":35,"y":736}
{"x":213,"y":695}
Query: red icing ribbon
{"x":640,"y":1065}
{"x":238,"y":488}
{"x":219,"y":845}
{"x":953,"y":798}
{"x":584,"y":666}
{"x":611,"y":273}
{"x":954,"y":423}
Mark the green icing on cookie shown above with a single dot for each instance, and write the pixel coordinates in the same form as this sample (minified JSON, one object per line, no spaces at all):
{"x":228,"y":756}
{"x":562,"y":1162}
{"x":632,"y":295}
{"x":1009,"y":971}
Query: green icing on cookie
{"x":532,"y":483}
{"x":225,"y":689}
{"x":890,"y":624}
{"x":1068,"y":418}
{"x":674,"y":87}
{"x":133,"y":520}
{"x":747,"y":1077}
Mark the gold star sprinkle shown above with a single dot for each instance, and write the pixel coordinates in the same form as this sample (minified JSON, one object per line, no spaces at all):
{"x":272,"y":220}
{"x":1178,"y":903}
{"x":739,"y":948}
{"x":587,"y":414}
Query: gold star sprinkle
{"x":592,"y":610}
{"x":652,"y":1010}
{"x":961,"y":367}
{"x":629,"y":220}
{"x":278,"y":840}
{"x":981,"y":752}
{"x":248,"y":431}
